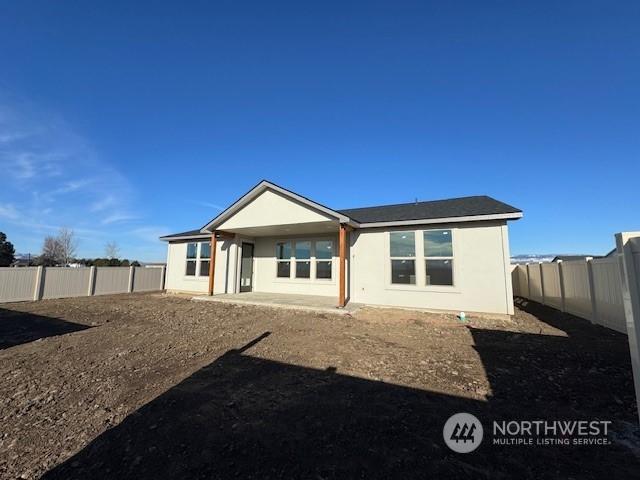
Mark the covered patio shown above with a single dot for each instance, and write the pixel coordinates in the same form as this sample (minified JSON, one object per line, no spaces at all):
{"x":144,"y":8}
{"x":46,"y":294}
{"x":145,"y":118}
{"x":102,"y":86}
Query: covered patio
{"x":289,"y":251}
{"x":315,"y":303}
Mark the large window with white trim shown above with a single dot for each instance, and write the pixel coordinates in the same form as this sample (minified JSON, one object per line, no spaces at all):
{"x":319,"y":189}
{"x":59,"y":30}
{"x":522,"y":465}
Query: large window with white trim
{"x":283,"y":259}
{"x":403,"y":257}
{"x":422,"y":258}
{"x":438,"y":257}
{"x":324,"y":259}
{"x":303,"y":259}
{"x":198,"y":258}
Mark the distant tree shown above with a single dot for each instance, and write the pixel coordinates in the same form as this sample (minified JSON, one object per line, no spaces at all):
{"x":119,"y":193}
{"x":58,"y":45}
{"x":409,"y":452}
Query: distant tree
{"x":7,"y":252}
{"x":135,"y":263}
{"x":68,"y":245}
{"x":111,"y":250}
{"x":51,"y":252}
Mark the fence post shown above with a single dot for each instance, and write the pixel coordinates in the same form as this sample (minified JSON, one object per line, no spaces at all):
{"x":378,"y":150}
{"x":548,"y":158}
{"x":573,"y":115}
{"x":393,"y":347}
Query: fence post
{"x":528,"y":283}
{"x":592,"y":290}
{"x":131,"y":274}
{"x":628,"y":246}
{"x":561,"y":281}
{"x":37,"y":287}
{"x":163,"y":271}
{"x":92,"y":281}
{"x":541,"y":283}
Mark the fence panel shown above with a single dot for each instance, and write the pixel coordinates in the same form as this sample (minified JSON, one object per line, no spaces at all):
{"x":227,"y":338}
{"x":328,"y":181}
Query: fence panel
{"x":523,"y":280}
{"x":515,"y":282}
{"x":111,"y":280}
{"x":535,"y":282}
{"x":61,"y":282}
{"x":17,"y":284}
{"x":608,"y":291}
{"x":147,"y":279}
{"x":576,"y":288}
{"x":551,"y":282}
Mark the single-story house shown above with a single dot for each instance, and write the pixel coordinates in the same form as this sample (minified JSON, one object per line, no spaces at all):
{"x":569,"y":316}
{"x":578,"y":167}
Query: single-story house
{"x":450,"y":255}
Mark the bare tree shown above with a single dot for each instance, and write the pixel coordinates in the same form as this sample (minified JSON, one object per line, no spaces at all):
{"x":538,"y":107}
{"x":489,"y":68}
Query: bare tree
{"x":112,"y":250}
{"x":51,"y":251}
{"x":68,"y":245}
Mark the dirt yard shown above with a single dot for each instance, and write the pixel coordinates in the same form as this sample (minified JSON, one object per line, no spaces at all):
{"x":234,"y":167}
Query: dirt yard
{"x":155,"y":386}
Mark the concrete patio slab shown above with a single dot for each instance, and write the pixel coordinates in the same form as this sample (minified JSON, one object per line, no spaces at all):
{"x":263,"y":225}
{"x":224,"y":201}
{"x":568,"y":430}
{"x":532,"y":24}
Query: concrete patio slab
{"x":315,"y":303}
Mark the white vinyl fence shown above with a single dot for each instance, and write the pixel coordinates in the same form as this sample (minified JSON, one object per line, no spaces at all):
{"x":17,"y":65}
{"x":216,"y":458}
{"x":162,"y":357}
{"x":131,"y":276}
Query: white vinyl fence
{"x":36,"y":283}
{"x":589,"y":289}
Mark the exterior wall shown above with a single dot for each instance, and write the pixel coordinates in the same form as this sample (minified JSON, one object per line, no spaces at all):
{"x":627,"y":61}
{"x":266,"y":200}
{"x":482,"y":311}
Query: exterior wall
{"x":264,"y":270}
{"x":225,"y":273}
{"x":271,"y":208}
{"x":481,"y":271}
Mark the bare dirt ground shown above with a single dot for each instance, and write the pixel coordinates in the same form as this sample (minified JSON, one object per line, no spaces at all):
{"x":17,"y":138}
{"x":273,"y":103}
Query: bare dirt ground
{"x":155,"y":386}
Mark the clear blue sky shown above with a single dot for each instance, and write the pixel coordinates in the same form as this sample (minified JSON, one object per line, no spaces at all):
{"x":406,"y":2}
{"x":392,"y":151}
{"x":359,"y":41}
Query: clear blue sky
{"x":127,"y":120}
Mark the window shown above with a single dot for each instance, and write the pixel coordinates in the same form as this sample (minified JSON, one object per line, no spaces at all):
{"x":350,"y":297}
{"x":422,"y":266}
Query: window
{"x":205,"y":254}
{"x":295,"y":259}
{"x":324,"y":256}
{"x":438,"y":255}
{"x":192,"y":253}
{"x":303,"y":259}
{"x":283,"y":259}
{"x":403,"y":257}
{"x":198,"y":254}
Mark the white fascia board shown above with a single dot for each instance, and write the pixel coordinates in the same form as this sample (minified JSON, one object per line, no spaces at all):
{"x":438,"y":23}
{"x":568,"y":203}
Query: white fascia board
{"x":261,"y":187}
{"x":472,"y":218}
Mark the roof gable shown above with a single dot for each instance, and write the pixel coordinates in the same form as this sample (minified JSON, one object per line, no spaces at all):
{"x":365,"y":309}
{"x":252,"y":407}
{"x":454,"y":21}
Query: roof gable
{"x":269,"y":204}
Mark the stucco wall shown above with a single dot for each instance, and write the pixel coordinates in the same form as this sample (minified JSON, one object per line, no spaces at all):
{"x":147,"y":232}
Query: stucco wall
{"x":481,"y":271}
{"x":176,"y":280}
{"x":271,"y":208}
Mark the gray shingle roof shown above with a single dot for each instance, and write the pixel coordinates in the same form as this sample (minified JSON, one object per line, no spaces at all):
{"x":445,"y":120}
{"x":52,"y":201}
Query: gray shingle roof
{"x":451,"y":208}
{"x":454,"y":207}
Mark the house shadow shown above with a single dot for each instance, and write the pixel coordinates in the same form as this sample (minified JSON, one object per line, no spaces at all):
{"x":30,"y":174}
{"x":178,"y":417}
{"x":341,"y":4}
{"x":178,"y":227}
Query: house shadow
{"x":247,"y":417}
{"x":18,"y":327}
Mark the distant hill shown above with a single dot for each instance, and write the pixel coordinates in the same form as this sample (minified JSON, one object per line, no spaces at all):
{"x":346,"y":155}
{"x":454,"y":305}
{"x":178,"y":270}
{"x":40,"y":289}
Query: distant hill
{"x":533,"y":258}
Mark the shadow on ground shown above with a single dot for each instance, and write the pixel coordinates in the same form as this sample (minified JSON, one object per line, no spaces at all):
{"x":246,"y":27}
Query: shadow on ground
{"x":248,"y":417}
{"x":18,"y":327}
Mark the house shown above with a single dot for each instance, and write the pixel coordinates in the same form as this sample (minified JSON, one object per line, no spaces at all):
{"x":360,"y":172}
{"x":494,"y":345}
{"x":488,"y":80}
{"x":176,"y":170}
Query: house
{"x":570,"y":258}
{"x":450,"y":255}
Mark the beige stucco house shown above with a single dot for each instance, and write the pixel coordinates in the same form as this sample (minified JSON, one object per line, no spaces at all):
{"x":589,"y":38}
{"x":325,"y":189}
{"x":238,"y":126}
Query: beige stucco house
{"x":443,"y":255}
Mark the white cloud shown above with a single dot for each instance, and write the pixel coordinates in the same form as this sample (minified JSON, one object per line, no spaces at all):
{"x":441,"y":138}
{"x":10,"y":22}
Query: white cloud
{"x":117,"y":217}
{"x":8,"y":211}
{"x":55,"y":178}
{"x":210,"y":205}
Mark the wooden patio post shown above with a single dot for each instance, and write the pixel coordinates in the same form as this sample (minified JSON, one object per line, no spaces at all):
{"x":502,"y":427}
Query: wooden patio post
{"x":341,"y":275}
{"x":212,"y":262}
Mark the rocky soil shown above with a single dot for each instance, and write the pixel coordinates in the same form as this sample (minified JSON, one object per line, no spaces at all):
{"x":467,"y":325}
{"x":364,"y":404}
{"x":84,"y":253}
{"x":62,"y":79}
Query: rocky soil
{"x":157,"y":386}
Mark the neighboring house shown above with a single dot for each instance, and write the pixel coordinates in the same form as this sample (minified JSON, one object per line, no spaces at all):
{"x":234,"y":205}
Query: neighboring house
{"x":569,"y":258}
{"x":446,"y":254}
